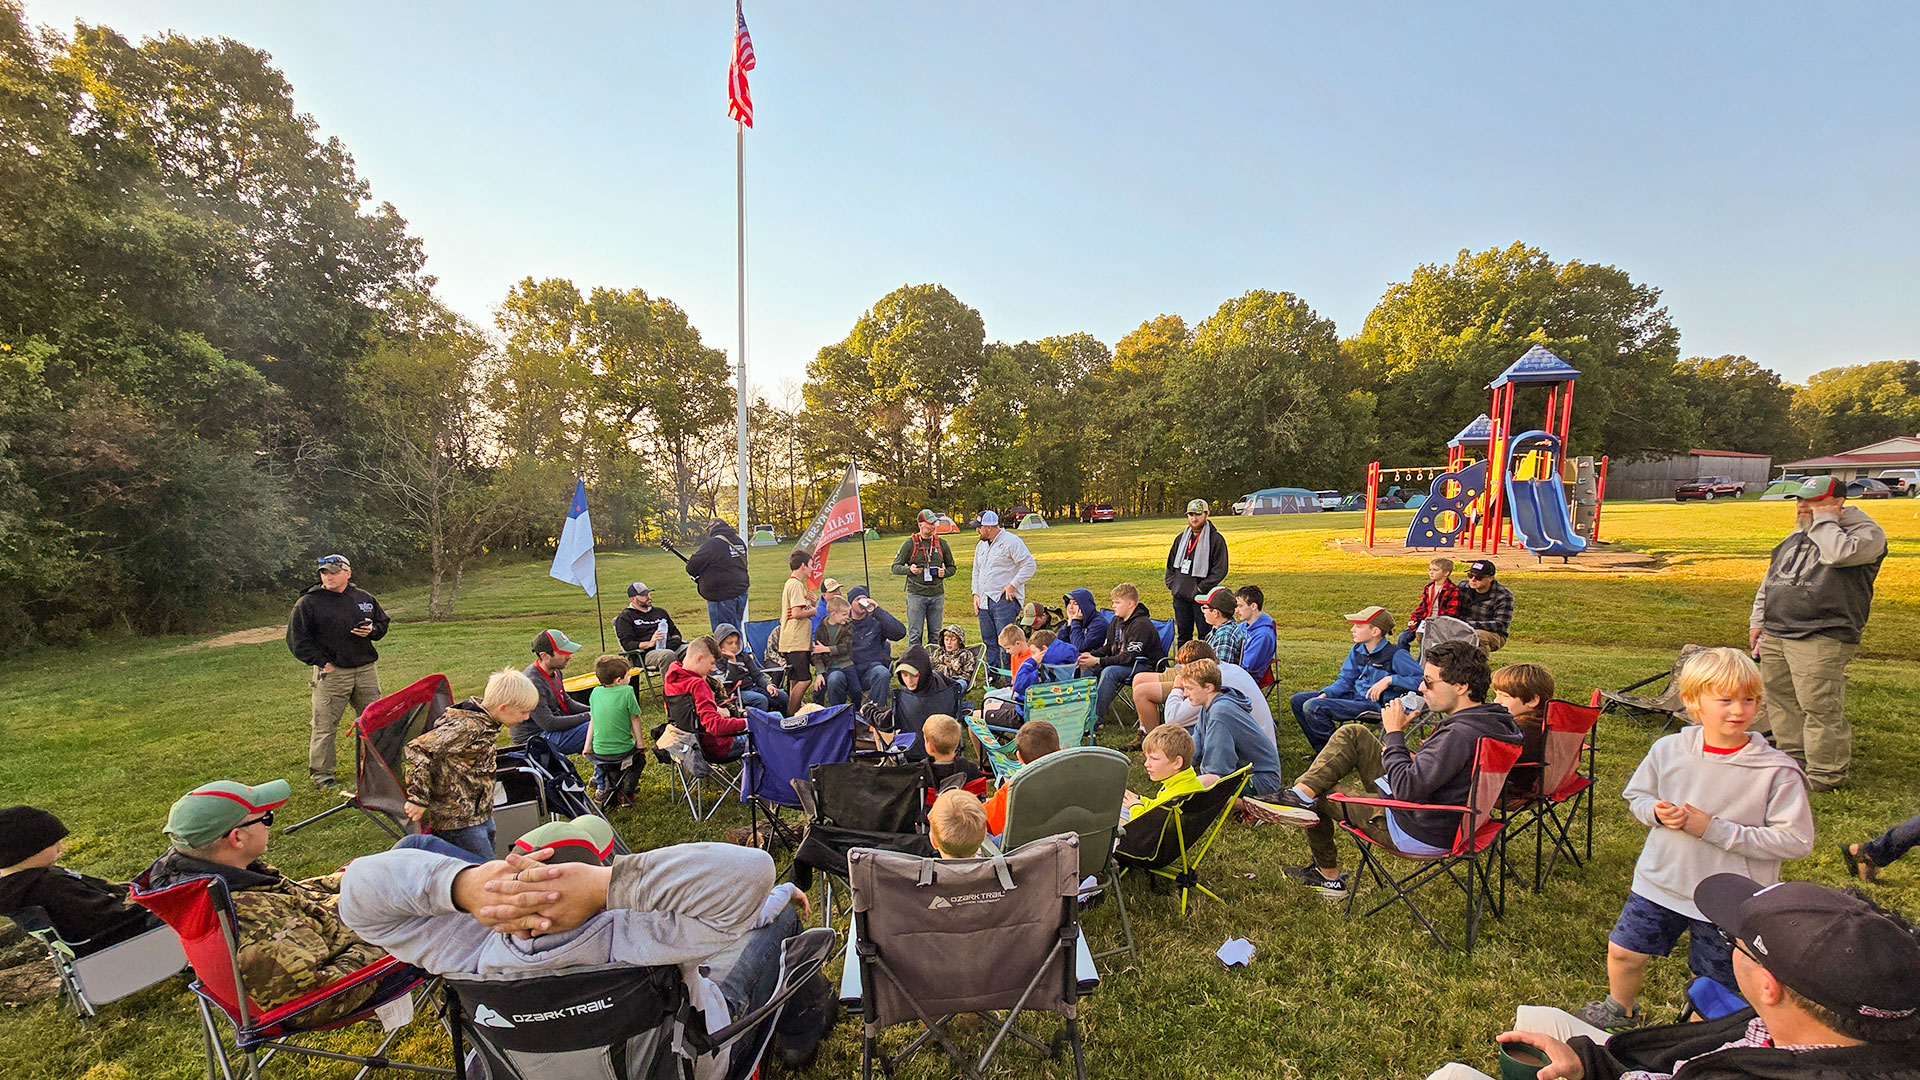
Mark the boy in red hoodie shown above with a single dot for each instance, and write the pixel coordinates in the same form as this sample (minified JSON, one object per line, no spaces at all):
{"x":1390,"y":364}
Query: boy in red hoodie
{"x":691,"y":705}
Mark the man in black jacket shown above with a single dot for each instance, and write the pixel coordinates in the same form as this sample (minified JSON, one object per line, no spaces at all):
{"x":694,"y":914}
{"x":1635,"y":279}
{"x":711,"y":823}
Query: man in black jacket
{"x":1456,"y":681}
{"x":332,"y":630}
{"x":1133,"y":644}
{"x":1196,"y":562}
{"x":647,"y":632}
{"x":719,"y":572}
{"x":1832,"y":984}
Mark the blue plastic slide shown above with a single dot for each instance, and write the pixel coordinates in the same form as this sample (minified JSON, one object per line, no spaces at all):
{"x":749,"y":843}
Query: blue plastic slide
{"x":1538,"y":508}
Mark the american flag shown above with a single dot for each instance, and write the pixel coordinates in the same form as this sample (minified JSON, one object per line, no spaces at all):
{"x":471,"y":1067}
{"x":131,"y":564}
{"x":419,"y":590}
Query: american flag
{"x":739,"y":100}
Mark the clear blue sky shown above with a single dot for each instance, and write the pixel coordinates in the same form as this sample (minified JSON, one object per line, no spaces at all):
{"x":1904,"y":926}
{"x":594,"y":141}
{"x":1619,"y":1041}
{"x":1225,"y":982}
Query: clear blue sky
{"x":1065,"y":167}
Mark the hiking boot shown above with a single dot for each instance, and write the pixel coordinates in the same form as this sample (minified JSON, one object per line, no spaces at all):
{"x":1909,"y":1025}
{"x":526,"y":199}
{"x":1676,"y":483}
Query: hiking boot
{"x":1607,"y":1015}
{"x":1333,"y":888}
{"x":805,"y":1023}
{"x":1133,"y":746}
{"x":325,"y":783}
{"x":1283,"y":808}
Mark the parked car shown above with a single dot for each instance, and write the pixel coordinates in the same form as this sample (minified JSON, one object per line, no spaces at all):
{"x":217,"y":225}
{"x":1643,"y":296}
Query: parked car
{"x":1328,"y":499}
{"x":1867,"y":487}
{"x":1708,"y":488}
{"x":1240,"y":504}
{"x":1014,"y":514}
{"x":1099,"y":512}
{"x":1901,"y":481}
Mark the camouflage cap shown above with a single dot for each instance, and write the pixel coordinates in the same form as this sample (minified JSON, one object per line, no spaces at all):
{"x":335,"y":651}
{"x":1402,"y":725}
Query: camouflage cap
{"x":586,"y":839}
{"x":210,"y":811}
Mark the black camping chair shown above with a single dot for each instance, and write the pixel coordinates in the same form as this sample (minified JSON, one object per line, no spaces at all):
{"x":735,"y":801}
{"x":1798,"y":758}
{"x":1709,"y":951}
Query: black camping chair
{"x":616,"y":1024}
{"x":859,"y":804}
{"x":1170,"y":840}
{"x":535,"y":784}
{"x":381,"y":734}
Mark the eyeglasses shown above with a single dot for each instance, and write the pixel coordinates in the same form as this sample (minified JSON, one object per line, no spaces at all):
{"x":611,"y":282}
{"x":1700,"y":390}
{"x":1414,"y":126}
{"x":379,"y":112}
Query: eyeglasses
{"x":1737,"y":945}
{"x":1428,"y":681}
{"x":264,"y":819}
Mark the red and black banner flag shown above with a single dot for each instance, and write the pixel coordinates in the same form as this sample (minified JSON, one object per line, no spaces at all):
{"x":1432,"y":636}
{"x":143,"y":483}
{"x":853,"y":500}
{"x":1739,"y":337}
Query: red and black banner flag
{"x":837,"y":520}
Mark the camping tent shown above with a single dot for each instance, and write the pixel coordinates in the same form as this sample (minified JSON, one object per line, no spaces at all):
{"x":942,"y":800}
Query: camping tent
{"x":1781,"y":489}
{"x":1284,"y":501}
{"x":1033,"y":521}
{"x":945,"y":525}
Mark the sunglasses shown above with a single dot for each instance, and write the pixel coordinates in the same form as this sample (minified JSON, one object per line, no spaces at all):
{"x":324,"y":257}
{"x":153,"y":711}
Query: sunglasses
{"x":264,"y":819}
{"x":1738,"y":946}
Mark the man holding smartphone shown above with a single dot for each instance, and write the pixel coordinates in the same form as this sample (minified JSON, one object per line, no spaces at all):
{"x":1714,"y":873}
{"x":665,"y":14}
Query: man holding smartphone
{"x":332,"y":630}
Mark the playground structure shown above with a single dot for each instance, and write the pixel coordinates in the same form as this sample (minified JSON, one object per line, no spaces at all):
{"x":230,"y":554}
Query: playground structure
{"x":1517,"y":489}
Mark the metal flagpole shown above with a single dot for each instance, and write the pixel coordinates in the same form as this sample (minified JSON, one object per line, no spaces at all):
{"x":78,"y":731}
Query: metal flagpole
{"x":740,"y":405}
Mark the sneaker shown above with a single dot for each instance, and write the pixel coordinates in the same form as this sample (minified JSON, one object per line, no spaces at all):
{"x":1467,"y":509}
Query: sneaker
{"x":1607,"y":1015}
{"x":324,"y":783}
{"x":1333,"y":888}
{"x":1282,"y":809}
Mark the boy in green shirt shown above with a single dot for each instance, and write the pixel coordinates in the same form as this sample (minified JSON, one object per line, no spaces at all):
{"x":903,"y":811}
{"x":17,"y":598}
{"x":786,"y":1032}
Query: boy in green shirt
{"x":613,"y":736}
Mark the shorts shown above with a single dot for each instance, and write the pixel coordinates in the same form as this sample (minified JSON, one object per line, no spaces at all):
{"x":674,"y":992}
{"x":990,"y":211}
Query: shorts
{"x":1653,"y":930}
{"x":1166,"y":680}
{"x":799,"y":665}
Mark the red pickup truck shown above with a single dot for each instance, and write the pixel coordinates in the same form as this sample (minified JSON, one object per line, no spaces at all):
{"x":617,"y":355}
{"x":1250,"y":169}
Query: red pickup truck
{"x":1708,"y":488}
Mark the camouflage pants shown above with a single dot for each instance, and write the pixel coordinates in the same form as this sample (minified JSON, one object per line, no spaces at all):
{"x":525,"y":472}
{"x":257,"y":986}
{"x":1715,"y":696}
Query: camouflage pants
{"x":333,"y":692}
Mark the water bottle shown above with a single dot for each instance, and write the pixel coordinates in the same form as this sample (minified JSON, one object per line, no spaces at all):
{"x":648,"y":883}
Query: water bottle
{"x":1413,"y":703}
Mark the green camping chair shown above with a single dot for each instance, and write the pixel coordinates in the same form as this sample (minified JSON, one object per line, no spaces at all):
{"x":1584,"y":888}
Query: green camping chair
{"x":999,"y":756}
{"x":1170,"y":840}
{"x":1078,"y":790}
{"x":1068,"y":706}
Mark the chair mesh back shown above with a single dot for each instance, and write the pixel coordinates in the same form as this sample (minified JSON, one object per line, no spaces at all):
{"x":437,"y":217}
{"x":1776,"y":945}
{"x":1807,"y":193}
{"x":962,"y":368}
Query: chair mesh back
{"x":785,"y":749}
{"x":930,"y":934}
{"x":1568,"y":726}
{"x":874,"y":798}
{"x":194,"y":908}
{"x":1068,"y":706}
{"x":384,"y":730}
{"x":758,"y":634}
{"x":1493,"y":760}
{"x":592,"y":1025}
{"x":1077,"y":790}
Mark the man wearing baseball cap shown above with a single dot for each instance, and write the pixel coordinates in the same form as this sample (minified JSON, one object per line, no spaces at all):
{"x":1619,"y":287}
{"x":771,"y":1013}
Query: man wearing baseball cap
{"x":1486,"y":605}
{"x":564,"y":718}
{"x":926,"y":561}
{"x":1002,"y":566}
{"x":1832,"y":983}
{"x":292,"y":941}
{"x":1375,"y":671}
{"x":1805,"y":627}
{"x":332,"y":630}
{"x":647,"y":633}
{"x":1196,"y":562}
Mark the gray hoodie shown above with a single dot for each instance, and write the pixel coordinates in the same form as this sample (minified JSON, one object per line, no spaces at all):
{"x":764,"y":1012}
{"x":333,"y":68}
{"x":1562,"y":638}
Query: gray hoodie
{"x":1756,"y":796}
{"x":1227,"y":737}
{"x":673,"y":905}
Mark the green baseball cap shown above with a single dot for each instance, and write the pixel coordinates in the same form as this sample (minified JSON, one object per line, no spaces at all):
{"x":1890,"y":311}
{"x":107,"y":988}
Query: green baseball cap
{"x":1198,"y":506}
{"x":585,"y":839}
{"x":211,"y":811}
{"x":929,"y":517}
{"x":1821,"y":487}
{"x":553,"y":641}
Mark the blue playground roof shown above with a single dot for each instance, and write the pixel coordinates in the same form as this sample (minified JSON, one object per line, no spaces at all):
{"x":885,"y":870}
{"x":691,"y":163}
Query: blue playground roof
{"x":1477,"y":433}
{"x":1536,"y":365}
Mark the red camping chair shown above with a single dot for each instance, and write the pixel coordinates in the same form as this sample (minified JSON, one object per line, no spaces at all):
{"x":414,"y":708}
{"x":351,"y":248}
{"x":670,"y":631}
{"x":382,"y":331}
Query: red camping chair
{"x":382,"y":733}
{"x":1553,"y":812}
{"x":201,"y":913}
{"x":1476,"y":847}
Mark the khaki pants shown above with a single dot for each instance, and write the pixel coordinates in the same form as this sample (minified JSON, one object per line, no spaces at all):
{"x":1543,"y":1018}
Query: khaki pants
{"x":1355,"y":751}
{"x":1491,"y":640}
{"x":333,"y":691}
{"x":1805,"y":682}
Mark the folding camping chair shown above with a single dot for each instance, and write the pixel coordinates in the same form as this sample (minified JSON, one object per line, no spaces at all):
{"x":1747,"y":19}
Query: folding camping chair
{"x":1555,"y":807}
{"x":93,"y":979}
{"x":859,"y":804}
{"x":1711,"y":999}
{"x":201,"y":913}
{"x":1078,"y":790}
{"x":1170,"y":840}
{"x":533,"y":784}
{"x":1668,"y":704}
{"x":693,"y":771}
{"x":996,"y":752}
{"x":936,"y":938}
{"x":780,"y":750}
{"x":1476,"y":847}
{"x":1166,"y":630}
{"x":618,"y":1023}
{"x":911,"y":708}
{"x":1068,"y":706}
{"x":381,"y":734}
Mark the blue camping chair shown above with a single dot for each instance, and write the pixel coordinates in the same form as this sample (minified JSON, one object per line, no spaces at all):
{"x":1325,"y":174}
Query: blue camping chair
{"x":1710,"y":999}
{"x":758,"y":634}
{"x":781,"y":750}
{"x":1165,"y":626}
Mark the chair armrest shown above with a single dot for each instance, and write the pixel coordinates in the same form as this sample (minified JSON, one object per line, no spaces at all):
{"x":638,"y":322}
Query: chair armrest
{"x":1398,"y":804}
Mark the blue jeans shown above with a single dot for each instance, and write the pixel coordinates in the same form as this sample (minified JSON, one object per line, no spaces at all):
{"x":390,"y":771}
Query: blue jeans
{"x":995,"y":617}
{"x":732,"y":611}
{"x":1112,"y":679}
{"x":773,"y":699}
{"x":571,"y":741}
{"x":439,"y":846}
{"x":1319,"y":716}
{"x":923,"y":615}
{"x":873,"y":680}
{"x":840,"y":684}
{"x":1893,"y":843}
{"x":474,"y":839}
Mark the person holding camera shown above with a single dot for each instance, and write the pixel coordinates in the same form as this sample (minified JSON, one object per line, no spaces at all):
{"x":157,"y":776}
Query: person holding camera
{"x":332,"y":630}
{"x":1455,"y":678}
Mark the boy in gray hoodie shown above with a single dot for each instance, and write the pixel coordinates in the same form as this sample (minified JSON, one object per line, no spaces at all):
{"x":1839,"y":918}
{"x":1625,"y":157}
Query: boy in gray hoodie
{"x":1226,"y":737}
{"x":1718,"y":800}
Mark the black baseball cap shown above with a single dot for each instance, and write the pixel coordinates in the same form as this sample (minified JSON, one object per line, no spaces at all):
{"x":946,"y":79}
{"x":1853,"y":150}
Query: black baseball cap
{"x":1834,"y":949}
{"x":1480,"y":568}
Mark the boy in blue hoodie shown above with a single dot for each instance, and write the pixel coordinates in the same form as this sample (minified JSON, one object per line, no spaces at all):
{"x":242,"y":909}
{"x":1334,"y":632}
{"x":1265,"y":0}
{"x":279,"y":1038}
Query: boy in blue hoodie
{"x":1373,"y":673}
{"x":1256,"y":652}
{"x":1086,"y":626}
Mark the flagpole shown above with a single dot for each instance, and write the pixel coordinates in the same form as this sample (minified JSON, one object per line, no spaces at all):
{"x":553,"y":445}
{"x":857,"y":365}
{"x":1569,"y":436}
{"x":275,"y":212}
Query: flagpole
{"x":740,"y":404}
{"x":864,"y":570}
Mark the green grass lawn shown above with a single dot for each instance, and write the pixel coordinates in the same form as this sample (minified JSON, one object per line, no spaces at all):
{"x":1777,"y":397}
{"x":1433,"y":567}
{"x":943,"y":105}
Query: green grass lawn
{"x":109,"y":736}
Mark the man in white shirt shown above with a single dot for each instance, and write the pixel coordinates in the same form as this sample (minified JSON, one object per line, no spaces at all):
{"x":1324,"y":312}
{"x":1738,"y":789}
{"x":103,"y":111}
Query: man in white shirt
{"x":1002,"y":566}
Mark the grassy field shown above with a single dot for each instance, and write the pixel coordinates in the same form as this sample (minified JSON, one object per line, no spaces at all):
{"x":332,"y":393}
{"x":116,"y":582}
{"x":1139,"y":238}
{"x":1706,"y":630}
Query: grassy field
{"x":109,"y":736}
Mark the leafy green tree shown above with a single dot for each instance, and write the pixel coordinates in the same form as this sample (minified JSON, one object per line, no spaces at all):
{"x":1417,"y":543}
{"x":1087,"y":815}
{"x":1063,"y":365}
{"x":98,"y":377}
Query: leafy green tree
{"x":1842,"y":408}
{"x":1741,"y":406}
{"x":1131,"y":425}
{"x":1434,"y":342}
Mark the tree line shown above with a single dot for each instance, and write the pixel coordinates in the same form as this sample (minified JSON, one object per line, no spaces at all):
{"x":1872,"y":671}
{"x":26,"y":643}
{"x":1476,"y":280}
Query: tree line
{"x":220,"y":358}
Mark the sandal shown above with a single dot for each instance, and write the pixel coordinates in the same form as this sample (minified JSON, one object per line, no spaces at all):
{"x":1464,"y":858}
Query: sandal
{"x":1858,"y":865}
